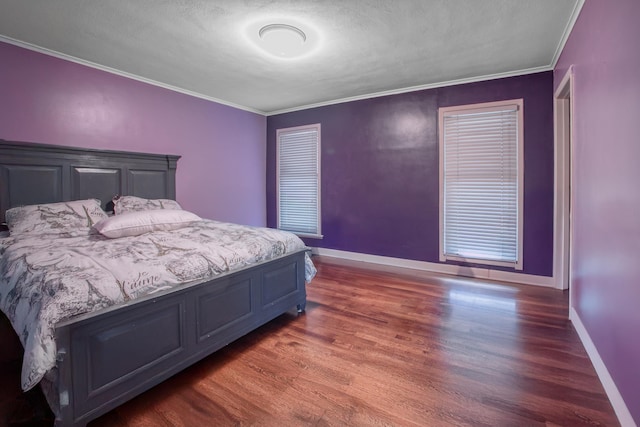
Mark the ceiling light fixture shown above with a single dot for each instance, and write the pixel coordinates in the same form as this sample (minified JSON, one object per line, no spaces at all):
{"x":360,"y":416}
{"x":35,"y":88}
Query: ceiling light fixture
{"x":283,"y":40}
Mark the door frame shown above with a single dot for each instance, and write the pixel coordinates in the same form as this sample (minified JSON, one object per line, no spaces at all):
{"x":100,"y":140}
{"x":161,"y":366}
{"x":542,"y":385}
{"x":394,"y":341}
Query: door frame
{"x":564,"y":112}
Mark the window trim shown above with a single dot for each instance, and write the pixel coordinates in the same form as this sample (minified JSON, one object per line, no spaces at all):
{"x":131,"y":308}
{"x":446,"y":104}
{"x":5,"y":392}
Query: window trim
{"x":317,"y":128}
{"x":476,"y":108}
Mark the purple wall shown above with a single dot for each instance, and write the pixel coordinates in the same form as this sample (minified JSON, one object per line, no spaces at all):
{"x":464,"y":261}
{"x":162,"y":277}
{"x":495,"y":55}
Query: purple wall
{"x":605,"y":286}
{"x":48,"y":100}
{"x":380,"y":169}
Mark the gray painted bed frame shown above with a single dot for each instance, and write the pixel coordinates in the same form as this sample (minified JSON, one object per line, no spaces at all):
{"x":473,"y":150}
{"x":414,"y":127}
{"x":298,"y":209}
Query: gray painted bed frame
{"x":108,"y":357}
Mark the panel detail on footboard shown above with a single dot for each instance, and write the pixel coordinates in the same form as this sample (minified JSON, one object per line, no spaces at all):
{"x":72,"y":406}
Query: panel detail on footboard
{"x":278,"y":283}
{"x":122,"y":346}
{"x":158,"y":334}
{"x":223,"y":307}
{"x":282,"y":282}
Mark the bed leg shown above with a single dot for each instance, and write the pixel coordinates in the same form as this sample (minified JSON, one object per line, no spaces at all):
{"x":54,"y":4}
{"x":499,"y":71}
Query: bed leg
{"x":302,"y":307}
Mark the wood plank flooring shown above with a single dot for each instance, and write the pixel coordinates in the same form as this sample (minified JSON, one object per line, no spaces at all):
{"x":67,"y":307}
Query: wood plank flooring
{"x":391,"y":347}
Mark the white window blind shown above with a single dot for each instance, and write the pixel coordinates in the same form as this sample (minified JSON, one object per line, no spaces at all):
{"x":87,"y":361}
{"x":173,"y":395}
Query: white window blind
{"x":481,"y":189}
{"x":298,"y":171}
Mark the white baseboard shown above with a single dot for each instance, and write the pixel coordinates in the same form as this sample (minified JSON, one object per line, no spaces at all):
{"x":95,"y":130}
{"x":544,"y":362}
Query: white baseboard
{"x":434,"y":267}
{"x":619,"y":406}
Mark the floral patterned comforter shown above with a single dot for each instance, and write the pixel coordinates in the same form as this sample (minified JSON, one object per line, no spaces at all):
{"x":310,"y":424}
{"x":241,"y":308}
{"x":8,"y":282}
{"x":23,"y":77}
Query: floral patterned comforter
{"x":46,"y":278}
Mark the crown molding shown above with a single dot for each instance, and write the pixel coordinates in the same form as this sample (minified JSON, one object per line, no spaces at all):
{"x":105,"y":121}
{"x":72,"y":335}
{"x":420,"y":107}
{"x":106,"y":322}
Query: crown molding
{"x":567,"y":32}
{"x":417,"y":88}
{"x":110,"y":70}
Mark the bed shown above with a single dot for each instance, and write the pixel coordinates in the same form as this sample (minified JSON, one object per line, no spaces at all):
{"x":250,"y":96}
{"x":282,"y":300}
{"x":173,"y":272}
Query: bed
{"x":105,"y":357}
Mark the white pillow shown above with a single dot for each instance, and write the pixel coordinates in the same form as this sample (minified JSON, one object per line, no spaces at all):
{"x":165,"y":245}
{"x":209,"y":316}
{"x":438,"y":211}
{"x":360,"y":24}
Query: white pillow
{"x":123,"y":204}
{"x":137,"y":223}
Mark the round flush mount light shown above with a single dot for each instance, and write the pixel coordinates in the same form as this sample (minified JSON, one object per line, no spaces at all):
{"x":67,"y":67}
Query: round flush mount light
{"x":282,"y":37}
{"x":282,"y":40}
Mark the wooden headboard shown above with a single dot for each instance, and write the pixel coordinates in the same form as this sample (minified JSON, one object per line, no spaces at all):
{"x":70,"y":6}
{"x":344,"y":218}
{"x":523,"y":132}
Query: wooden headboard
{"x":39,"y":173}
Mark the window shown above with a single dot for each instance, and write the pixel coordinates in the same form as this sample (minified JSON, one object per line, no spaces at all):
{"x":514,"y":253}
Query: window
{"x":298,"y":180}
{"x":481,"y":175}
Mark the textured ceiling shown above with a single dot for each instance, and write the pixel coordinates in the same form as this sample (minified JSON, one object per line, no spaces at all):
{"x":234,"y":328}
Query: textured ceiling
{"x":364,"y":46}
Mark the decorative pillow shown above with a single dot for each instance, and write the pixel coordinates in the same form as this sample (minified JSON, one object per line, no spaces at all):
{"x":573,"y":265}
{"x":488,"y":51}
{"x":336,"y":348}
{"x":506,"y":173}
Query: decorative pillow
{"x":64,"y":217}
{"x":124,"y":204}
{"x":137,"y":223}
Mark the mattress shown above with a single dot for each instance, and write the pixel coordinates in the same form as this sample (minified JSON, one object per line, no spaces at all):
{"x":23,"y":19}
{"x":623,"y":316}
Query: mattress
{"x":47,"y":278}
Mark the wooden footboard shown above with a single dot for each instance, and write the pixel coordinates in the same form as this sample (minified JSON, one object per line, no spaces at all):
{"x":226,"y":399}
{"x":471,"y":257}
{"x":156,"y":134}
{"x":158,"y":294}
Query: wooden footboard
{"x":108,"y":357}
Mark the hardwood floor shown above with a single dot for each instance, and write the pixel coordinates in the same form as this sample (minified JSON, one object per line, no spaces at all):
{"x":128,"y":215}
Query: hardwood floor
{"x":384,"y":346}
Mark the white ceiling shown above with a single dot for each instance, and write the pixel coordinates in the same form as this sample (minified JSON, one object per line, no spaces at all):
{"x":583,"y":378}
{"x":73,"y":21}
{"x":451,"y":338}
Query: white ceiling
{"x":365,"y":47}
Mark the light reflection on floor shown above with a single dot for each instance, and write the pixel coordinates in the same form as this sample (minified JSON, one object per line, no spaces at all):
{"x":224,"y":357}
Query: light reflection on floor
{"x":459,"y":297}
